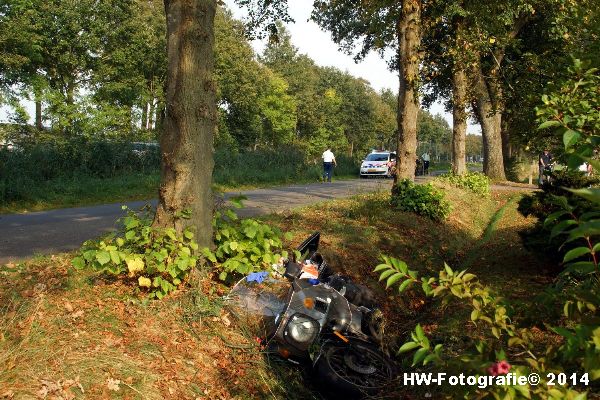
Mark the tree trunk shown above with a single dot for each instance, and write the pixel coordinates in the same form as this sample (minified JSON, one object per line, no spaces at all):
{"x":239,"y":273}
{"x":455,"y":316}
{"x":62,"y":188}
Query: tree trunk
{"x":151,"y":113}
{"x":506,"y":149}
{"x":409,"y":39}
{"x":190,"y":120}
{"x":459,"y":125}
{"x":160,"y":118}
{"x":144,"y":123}
{"x":490,"y":118}
{"x":38,"y":114}
{"x":459,"y":103}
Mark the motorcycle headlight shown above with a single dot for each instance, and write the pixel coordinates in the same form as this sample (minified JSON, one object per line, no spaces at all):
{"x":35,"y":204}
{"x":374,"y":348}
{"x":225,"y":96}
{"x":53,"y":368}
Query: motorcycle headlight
{"x":302,"y":329}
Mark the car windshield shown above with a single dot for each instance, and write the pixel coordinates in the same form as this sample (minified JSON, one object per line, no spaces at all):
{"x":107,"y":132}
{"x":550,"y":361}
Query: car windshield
{"x":377,"y":157}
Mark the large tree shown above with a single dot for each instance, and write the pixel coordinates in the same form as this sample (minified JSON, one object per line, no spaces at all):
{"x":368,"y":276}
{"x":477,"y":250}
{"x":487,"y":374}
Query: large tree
{"x":185,"y":197}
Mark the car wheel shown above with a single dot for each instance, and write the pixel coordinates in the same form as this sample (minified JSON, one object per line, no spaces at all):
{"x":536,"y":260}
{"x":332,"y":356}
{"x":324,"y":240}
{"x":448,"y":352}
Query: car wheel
{"x":358,"y":369}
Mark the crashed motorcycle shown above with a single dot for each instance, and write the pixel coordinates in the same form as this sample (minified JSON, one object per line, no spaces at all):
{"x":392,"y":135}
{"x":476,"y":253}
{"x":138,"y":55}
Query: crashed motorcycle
{"x":326,"y":321}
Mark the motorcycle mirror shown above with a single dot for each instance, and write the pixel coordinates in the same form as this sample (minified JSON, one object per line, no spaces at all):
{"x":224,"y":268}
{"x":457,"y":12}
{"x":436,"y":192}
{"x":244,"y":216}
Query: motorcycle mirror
{"x":310,"y":245}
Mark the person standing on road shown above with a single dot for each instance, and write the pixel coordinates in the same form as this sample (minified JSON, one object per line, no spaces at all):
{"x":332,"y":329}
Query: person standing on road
{"x":328,"y":164}
{"x":545,"y":161}
{"x":426,"y":159}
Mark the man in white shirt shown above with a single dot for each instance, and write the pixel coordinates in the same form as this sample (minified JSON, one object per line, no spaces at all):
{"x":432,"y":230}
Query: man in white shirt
{"x":328,"y":163}
{"x":426,"y":159}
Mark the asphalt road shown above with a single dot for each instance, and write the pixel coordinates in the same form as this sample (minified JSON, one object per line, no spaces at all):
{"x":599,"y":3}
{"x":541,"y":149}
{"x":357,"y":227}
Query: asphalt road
{"x":46,"y":232}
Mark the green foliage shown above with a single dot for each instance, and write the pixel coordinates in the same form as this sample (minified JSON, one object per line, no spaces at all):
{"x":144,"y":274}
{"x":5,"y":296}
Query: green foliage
{"x":155,"y":260}
{"x":423,"y":200}
{"x":571,"y":111}
{"x":476,"y":182}
{"x":243,"y":246}
{"x":583,"y":230}
{"x":57,"y":160}
{"x":502,"y":337}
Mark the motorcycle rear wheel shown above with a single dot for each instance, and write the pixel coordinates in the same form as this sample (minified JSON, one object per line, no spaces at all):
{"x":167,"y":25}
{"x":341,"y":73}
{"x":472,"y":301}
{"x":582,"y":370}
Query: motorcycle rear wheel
{"x":356,"y":369}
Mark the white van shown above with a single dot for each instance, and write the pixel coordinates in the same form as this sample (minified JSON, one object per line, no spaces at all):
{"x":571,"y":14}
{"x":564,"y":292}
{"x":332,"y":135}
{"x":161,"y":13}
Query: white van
{"x":379,"y":163}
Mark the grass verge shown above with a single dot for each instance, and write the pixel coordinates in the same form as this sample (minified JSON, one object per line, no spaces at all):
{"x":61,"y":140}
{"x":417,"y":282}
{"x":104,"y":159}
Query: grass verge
{"x":86,"y":191}
{"x":71,"y":334}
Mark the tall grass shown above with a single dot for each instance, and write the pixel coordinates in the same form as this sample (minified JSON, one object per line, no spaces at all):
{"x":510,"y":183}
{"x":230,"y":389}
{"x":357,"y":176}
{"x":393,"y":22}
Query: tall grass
{"x":60,"y":174}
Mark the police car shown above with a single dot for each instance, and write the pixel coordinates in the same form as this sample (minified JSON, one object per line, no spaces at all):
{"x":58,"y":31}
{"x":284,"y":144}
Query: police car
{"x":379,"y":163}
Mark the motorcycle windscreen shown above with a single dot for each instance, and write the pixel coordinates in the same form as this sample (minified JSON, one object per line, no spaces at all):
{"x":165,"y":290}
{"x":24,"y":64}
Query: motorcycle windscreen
{"x":259,"y":305}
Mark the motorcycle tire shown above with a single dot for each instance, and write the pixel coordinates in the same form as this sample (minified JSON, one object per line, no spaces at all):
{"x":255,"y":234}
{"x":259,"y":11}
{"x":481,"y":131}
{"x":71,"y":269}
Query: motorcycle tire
{"x":357,"y":369}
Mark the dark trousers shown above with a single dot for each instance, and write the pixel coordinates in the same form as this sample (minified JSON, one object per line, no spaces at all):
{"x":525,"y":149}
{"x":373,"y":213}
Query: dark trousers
{"x":425,"y":167}
{"x":327,"y":171}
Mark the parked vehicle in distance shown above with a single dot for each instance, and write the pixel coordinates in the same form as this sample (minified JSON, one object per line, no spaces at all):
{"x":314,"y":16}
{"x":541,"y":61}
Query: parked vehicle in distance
{"x":379,"y":163}
{"x":141,"y":148}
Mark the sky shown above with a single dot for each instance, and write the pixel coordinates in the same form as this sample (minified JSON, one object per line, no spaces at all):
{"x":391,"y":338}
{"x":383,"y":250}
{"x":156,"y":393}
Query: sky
{"x":317,"y":44}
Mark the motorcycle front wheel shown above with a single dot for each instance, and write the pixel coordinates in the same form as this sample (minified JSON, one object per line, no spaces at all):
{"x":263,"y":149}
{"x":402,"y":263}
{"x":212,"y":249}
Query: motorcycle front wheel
{"x":357,"y":369}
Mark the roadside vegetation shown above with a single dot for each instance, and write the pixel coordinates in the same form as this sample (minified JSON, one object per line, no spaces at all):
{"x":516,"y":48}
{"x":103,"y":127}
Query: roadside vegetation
{"x":67,"y":174}
{"x":470,"y":280}
{"x":115,"y":343}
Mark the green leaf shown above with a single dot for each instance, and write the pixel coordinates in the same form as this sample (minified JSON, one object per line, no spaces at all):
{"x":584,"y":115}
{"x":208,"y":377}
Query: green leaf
{"x":583,"y":267}
{"x":404,"y":285}
{"x":448,"y":269}
{"x":419,"y":356}
{"x":393,"y":279}
{"x":575,"y":253}
{"x":419,"y":332}
{"x":408,"y":346}
{"x":129,"y":235}
{"x":570,"y":137}
{"x":78,"y":262}
{"x":592,"y":195}
{"x":554,"y":216}
{"x":114,"y":257}
{"x":549,"y":124}
{"x":103,"y":257}
{"x":586,"y":229}
{"x":387,"y":273}
{"x":560,"y":228}
{"x":381,"y":267}
{"x":250,"y":231}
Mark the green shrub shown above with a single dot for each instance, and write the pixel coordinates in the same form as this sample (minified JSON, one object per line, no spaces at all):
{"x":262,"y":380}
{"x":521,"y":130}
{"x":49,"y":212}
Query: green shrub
{"x":549,"y":200}
{"x":156,"y":260}
{"x":476,"y":182}
{"x":243,"y":245}
{"x":502,"y":345}
{"x":423,"y":200}
{"x":59,"y":160}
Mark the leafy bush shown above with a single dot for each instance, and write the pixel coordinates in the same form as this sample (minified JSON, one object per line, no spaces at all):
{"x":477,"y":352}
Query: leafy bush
{"x":157,"y":260}
{"x":476,"y":182}
{"x":423,"y":200}
{"x":570,"y":110}
{"x":503,"y":346}
{"x":542,"y":204}
{"x":243,"y":245}
{"x":58,"y":160}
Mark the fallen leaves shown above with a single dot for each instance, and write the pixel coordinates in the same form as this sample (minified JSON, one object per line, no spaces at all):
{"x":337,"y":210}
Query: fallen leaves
{"x":113,"y":384}
{"x":59,"y":390}
{"x":9,"y":394}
